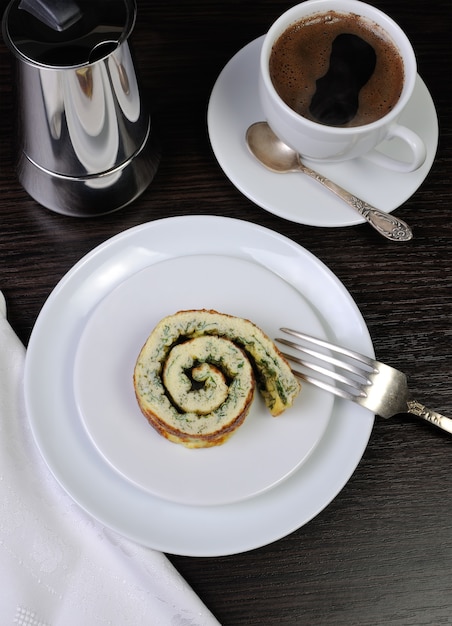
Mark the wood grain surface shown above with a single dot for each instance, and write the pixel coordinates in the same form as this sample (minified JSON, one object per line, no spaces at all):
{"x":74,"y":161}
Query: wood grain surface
{"x":381,"y":552}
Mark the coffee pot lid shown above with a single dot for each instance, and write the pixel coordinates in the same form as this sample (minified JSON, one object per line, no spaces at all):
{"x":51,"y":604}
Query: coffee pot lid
{"x":66,"y":33}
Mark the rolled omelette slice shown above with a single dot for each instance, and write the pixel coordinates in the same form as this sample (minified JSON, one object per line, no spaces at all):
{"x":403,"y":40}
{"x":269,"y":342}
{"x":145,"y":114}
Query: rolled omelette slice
{"x":195,"y":376}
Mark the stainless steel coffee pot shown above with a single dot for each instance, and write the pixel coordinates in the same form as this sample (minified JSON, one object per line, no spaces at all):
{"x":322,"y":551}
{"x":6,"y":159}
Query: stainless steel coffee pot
{"x":84,"y":133}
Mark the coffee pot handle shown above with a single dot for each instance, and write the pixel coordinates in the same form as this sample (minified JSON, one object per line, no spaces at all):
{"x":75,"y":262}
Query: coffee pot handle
{"x":56,"y":14}
{"x":413,"y":142}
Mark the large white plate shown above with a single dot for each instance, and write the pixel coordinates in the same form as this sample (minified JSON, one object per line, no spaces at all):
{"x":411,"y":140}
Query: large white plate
{"x":234,"y":105}
{"x":106,"y":400}
{"x":114,"y":499}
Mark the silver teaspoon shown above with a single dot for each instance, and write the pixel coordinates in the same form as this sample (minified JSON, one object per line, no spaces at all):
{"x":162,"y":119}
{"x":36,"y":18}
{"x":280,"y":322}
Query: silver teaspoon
{"x":275,"y":155}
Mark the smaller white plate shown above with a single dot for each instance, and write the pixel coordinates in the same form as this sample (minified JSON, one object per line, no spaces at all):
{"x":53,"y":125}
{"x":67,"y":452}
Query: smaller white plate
{"x":234,"y":105}
{"x":263,"y":452}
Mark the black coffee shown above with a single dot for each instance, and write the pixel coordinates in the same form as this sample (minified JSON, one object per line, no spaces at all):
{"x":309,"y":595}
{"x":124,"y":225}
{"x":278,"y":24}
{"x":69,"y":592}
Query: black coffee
{"x":337,"y":69}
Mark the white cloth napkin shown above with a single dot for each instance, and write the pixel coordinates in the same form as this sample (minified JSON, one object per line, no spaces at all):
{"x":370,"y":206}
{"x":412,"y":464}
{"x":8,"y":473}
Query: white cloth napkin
{"x":58,"y":566}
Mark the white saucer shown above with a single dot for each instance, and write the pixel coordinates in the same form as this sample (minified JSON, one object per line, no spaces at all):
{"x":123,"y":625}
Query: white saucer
{"x":234,"y":105}
{"x":107,"y":494}
{"x":106,"y":355}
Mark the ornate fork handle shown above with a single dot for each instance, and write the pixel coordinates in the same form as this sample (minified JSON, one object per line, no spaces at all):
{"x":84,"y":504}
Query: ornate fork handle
{"x":386,"y":224}
{"x":418,"y":409}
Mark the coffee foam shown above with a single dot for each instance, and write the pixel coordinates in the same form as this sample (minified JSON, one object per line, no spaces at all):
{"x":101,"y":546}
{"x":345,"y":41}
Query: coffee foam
{"x":301,"y":56}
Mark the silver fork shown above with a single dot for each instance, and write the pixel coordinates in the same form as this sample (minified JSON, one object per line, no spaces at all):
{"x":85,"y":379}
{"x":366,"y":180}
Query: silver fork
{"x":371,"y":384}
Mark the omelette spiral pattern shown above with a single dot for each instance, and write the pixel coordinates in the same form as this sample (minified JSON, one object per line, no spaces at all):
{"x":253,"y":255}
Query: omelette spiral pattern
{"x":195,"y":376}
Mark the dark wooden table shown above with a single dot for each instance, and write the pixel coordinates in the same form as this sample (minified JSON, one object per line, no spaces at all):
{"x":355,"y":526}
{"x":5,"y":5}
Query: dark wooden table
{"x":381,"y":552}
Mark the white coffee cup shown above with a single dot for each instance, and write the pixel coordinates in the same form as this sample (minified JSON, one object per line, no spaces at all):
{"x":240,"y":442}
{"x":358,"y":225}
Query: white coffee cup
{"x":319,"y":142}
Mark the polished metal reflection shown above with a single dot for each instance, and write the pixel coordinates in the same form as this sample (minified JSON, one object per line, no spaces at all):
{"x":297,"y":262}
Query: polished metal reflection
{"x":86,"y":145}
{"x":381,"y":389}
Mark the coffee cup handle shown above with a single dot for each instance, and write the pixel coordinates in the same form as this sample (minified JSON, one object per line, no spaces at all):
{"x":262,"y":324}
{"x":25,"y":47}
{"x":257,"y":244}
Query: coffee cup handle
{"x":414,"y":143}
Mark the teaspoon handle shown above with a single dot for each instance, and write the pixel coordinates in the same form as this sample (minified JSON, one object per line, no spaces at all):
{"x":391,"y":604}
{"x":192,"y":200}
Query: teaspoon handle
{"x":386,"y":224}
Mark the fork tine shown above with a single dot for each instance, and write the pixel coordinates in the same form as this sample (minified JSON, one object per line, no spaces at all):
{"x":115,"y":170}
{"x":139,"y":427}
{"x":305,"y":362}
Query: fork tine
{"x":337,"y":391}
{"x":330,"y":346}
{"x":353,"y":377}
{"x":327,"y":372}
{"x":326,"y":358}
